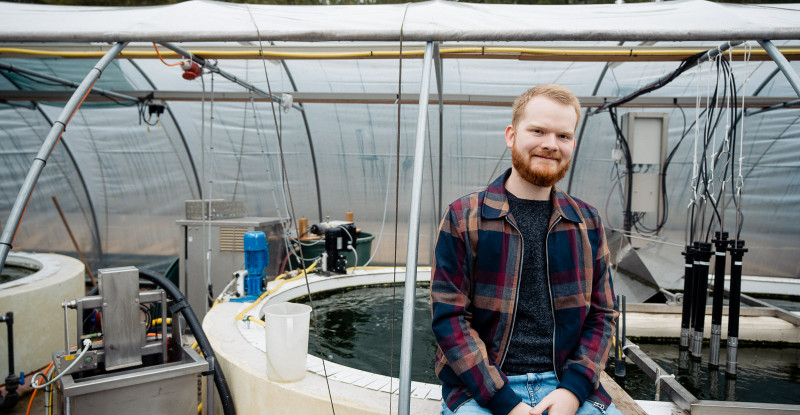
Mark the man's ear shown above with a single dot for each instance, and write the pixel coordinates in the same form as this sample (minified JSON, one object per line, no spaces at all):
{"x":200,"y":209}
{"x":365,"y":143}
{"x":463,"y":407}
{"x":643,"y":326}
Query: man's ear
{"x":510,"y":133}
{"x":574,"y":143}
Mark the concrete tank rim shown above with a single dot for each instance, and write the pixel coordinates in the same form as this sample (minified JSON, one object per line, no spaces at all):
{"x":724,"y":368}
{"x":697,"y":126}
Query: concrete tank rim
{"x":46,"y":264}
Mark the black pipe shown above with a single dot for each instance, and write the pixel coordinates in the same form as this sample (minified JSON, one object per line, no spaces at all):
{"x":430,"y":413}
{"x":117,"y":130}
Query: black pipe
{"x":721,"y":247}
{"x":194,"y":324}
{"x":686,"y":314}
{"x":702,"y":256}
{"x":12,"y":380}
{"x":620,"y":369}
{"x":619,"y":358}
{"x":734,"y":302}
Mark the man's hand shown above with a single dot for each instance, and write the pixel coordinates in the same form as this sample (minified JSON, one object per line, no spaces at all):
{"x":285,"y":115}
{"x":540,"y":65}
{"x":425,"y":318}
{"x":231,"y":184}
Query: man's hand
{"x":558,"y":402}
{"x":521,"y":409}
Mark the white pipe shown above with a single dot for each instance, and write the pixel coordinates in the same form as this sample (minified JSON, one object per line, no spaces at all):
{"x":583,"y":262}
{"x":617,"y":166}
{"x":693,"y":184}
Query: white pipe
{"x":404,"y":403}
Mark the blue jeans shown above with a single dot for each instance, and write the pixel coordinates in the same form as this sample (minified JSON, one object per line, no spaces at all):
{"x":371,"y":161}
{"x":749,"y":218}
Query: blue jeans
{"x":531,"y":388}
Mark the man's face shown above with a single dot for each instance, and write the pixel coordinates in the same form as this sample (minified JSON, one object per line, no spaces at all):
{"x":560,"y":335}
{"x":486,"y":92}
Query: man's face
{"x":542,"y":143}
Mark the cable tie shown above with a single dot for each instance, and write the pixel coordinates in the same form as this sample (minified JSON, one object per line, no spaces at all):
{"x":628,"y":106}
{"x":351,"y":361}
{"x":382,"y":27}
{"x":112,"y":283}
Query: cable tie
{"x":625,"y":347}
{"x":209,"y":372}
{"x":179,"y":306}
{"x":658,"y":379}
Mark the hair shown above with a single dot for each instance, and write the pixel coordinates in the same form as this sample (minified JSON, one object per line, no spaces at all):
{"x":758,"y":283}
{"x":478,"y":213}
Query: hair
{"x":555,"y":92}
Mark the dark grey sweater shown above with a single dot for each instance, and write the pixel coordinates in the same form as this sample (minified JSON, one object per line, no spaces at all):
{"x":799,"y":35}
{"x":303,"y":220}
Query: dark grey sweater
{"x":531,"y":348}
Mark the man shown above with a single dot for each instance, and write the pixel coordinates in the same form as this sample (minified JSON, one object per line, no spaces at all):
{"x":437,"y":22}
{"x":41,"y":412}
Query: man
{"x":521,"y":295}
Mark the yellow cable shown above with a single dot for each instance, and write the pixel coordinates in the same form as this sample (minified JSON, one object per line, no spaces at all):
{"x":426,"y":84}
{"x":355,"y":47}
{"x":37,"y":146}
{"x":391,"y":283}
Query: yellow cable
{"x":241,"y":315}
{"x":373,"y":53}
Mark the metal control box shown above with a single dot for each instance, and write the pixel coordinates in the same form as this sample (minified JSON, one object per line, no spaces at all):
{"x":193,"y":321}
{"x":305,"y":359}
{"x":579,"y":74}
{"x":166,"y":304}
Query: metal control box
{"x":169,"y":388}
{"x":646,"y":133}
{"x":222,"y":239}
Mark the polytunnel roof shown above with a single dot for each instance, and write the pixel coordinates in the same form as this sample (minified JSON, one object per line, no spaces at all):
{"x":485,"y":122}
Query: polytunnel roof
{"x":122,"y":183}
{"x":202,"y":20}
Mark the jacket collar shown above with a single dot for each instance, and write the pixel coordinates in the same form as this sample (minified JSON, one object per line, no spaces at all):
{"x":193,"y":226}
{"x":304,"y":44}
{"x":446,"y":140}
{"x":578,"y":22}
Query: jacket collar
{"x":495,"y":203}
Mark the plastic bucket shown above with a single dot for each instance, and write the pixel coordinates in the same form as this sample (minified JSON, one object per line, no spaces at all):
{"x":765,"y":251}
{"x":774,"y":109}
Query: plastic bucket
{"x":287,"y":340}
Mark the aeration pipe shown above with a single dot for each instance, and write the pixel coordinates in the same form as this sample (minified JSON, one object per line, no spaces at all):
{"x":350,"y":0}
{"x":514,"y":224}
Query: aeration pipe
{"x":14,"y":218}
{"x":737,"y":252}
{"x":720,"y":251}
{"x":686,"y":315}
{"x":233,"y":78}
{"x":404,"y":403}
{"x":702,"y":256}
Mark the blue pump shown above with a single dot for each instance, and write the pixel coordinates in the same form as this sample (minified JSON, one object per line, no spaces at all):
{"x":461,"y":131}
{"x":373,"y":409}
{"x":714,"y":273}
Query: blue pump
{"x":256,"y":261}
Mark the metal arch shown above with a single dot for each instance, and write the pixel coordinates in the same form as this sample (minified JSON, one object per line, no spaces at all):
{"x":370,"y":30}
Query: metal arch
{"x":586,"y":121}
{"x":177,"y":125}
{"x":14,"y":218}
{"x":310,"y":141}
{"x":38,"y":107}
{"x":783,"y":64}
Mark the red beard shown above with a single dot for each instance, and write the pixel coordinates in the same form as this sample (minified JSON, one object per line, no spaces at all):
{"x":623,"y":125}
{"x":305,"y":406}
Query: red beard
{"x":538,"y":174}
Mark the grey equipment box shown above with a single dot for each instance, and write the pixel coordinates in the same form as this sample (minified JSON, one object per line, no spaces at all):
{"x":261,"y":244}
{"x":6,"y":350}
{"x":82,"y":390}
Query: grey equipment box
{"x":169,"y":388}
{"x":226,"y":254}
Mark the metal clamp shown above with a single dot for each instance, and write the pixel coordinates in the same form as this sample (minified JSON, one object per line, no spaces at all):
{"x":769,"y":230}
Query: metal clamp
{"x":625,"y":347}
{"x":659,"y":376}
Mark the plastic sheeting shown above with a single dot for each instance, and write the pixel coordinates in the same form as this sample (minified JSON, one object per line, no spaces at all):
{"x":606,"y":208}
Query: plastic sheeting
{"x":123,"y":184}
{"x":436,"y":20}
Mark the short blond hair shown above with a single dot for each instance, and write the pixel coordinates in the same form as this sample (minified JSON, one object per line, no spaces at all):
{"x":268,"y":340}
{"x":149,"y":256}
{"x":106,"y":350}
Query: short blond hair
{"x":555,"y":92}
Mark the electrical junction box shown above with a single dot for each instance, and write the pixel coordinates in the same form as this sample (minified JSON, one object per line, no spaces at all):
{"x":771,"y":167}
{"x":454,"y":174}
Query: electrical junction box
{"x":222,"y":240}
{"x":646,"y":133}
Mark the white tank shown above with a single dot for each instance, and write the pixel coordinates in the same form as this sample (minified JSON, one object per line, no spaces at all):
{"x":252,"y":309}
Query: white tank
{"x":36,"y":301}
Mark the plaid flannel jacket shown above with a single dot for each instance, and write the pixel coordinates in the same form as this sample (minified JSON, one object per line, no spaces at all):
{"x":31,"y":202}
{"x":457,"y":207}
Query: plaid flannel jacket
{"x":477,"y":263}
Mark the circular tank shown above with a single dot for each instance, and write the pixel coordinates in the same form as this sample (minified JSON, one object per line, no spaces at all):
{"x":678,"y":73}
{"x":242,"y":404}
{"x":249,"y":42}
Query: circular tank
{"x":240,"y":350}
{"x":35,"y":299}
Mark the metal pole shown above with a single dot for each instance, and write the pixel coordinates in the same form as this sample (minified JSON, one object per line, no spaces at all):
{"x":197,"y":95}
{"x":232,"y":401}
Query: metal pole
{"x":437,"y":61}
{"x":404,"y":403}
{"x":619,"y":365}
{"x":783,"y":64}
{"x":721,"y":248}
{"x":10,"y":228}
{"x":214,"y":68}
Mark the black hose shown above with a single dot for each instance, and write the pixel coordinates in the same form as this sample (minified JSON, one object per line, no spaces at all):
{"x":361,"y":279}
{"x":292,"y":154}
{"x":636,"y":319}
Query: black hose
{"x":194,"y":324}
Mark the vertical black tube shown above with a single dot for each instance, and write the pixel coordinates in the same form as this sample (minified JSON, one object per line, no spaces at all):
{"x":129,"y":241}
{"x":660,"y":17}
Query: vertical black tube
{"x":9,"y":319}
{"x":619,"y":365}
{"x":701,"y":264}
{"x":686,"y":315}
{"x":737,"y":252}
{"x":721,"y":248}
{"x":12,"y":380}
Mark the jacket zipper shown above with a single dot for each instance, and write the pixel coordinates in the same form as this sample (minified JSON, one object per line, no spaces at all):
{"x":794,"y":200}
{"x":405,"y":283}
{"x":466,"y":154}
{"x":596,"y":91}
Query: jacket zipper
{"x":550,"y":292}
{"x":516,"y":298}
